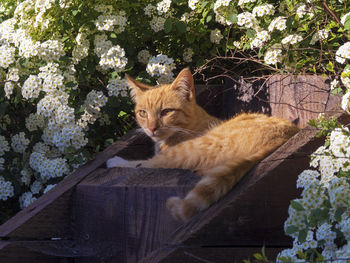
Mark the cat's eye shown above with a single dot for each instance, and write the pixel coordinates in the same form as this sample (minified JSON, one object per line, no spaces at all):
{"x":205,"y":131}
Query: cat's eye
{"x":142,"y":113}
{"x":166,"y":112}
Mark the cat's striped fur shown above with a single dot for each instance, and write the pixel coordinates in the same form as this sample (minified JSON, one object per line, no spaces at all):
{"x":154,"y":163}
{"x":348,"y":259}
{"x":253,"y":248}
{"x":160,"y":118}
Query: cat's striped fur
{"x":187,"y":137}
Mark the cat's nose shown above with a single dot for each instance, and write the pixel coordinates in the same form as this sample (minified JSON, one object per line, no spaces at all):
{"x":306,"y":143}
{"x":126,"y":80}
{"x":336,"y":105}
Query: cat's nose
{"x":152,"y":129}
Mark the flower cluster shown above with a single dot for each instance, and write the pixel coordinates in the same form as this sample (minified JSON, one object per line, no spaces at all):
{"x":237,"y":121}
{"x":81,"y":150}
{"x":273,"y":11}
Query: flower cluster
{"x":117,"y":87}
{"x":216,"y":36}
{"x":343,"y":53}
{"x":322,"y":213}
{"x":6,"y":189}
{"x":161,"y":66}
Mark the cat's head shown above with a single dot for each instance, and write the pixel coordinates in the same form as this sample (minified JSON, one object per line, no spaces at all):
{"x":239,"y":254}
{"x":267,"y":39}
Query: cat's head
{"x":163,"y":110}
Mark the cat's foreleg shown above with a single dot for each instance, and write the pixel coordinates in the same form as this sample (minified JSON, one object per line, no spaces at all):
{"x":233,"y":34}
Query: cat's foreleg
{"x":155,"y":162}
{"x":117,"y":161}
{"x":215,"y":183}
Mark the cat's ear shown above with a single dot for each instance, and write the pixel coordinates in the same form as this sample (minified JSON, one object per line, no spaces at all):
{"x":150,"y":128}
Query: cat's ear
{"x":184,"y":84}
{"x":136,"y":87}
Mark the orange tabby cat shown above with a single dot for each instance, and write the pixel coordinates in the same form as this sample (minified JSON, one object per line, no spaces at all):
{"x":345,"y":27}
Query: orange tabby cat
{"x":187,"y":137}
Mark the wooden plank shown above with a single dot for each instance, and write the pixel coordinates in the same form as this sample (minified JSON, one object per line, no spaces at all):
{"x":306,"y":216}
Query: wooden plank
{"x":300,"y":98}
{"x":12,"y":252}
{"x":50,"y":215}
{"x":218,"y":254}
{"x":123,"y":211}
{"x":254,"y":212}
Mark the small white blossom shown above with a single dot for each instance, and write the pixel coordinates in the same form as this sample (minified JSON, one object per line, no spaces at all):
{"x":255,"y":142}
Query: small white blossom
{"x":6,"y":189}
{"x":26,"y":199}
{"x":19,"y":142}
{"x":343,"y":53}
{"x":272,"y":56}
{"x":291,"y":39}
{"x":279,"y":23}
{"x":216,"y":36}
{"x":143,"y":56}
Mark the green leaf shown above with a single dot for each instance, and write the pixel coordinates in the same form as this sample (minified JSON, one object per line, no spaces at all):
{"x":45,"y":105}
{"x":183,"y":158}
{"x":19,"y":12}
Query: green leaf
{"x":347,"y":23}
{"x":291,"y":230}
{"x":302,"y":236}
{"x":251,"y":33}
{"x":232,"y":18}
{"x":337,"y":91}
{"x":168,"y":25}
{"x":296,"y":206}
{"x":108,"y":142}
{"x":258,"y":256}
{"x":3,"y":107}
{"x":209,"y":18}
{"x":113,"y":35}
{"x":181,"y":26}
{"x":338,"y":213}
{"x":71,"y":84}
{"x":330,"y":67}
{"x":75,"y":12}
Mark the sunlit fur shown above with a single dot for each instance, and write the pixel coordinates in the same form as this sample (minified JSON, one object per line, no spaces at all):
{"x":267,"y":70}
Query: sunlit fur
{"x":221,"y":152}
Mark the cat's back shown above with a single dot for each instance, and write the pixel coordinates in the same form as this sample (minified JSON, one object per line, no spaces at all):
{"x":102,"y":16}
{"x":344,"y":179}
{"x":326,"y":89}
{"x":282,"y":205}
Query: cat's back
{"x":253,"y":128}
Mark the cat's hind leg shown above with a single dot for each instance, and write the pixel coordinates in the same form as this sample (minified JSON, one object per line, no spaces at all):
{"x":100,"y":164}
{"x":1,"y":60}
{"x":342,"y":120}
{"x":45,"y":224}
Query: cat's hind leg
{"x":215,"y":183}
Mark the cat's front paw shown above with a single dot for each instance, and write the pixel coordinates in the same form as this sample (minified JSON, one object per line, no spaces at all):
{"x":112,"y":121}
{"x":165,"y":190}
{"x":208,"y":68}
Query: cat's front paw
{"x":117,"y":161}
{"x":181,"y":209}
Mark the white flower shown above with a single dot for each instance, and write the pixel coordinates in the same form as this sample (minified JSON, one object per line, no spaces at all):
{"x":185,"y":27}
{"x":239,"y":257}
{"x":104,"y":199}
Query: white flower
{"x":114,"y":59}
{"x":51,"y":50}
{"x":116,"y":87}
{"x":26,"y":175}
{"x":7,"y":55}
{"x":48,"y":168}
{"x":216,"y":36}
{"x":31,"y":87}
{"x":307,"y":178}
{"x":160,"y":65}
{"x":345,"y":78}
{"x":19,"y":142}
{"x":108,"y":22}
{"x":345,"y":103}
{"x":291,"y":39}
{"x":8,"y":88}
{"x":192,"y":4}
{"x":143,"y":56}
{"x":272,"y":56}
{"x":188,"y":53}
{"x":163,"y":7}
{"x":4,"y":145}
{"x":344,"y":18}
{"x":343,"y":53}
{"x":247,"y":20}
{"x":150,"y":10}
{"x":266,"y":9}
{"x":157,"y":23}
{"x":279,"y":23}
{"x":335,"y":84}
{"x":36,"y":187}
{"x":260,"y":39}
{"x":6,"y":189}
{"x":242,"y":2}
{"x":26,"y":199}
{"x":35,"y":122}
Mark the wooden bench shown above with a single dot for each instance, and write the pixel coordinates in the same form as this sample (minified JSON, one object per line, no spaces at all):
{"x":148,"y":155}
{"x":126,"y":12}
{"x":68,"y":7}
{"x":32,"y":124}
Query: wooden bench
{"x":119,"y":215}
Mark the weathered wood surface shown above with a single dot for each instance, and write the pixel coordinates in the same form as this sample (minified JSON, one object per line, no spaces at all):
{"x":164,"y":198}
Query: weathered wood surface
{"x":300,"y":98}
{"x":218,"y":254}
{"x":123,"y":211}
{"x":295,"y":98}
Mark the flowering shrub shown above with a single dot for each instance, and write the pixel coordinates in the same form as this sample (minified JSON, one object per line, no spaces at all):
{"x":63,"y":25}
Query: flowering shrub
{"x":64,"y":96}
